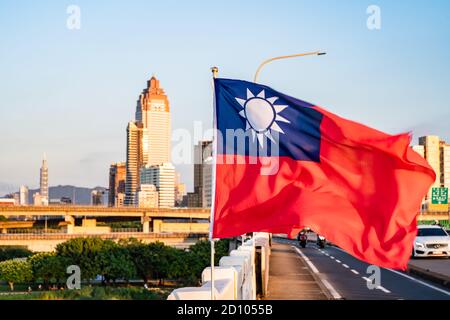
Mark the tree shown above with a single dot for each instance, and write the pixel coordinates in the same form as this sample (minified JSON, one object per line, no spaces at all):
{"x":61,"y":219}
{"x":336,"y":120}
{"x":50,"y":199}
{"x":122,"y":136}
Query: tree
{"x":141,"y":258}
{"x":48,"y":267}
{"x":14,"y":252}
{"x":199,"y":256}
{"x":115,"y":262}
{"x":15,"y":271}
{"x":82,"y":252}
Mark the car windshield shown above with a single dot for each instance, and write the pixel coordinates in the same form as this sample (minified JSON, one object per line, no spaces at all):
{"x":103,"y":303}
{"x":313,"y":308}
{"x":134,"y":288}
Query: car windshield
{"x":431,"y":232}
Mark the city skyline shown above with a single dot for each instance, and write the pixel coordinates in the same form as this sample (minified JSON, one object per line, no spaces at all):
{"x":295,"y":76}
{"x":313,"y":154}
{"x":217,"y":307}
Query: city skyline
{"x":72,"y":80}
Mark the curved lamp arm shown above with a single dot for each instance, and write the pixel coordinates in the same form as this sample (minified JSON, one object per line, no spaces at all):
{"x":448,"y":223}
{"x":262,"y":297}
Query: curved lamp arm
{"x":316,"y":53}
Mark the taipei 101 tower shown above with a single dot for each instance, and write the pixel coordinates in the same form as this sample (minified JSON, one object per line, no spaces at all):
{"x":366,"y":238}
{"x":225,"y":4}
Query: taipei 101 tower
{"x":44,"y":182}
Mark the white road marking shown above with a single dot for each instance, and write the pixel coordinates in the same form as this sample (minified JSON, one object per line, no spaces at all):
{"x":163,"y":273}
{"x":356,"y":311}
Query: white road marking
{"x":313,"y":268}
{"x":421,"y":282}
{"x":354,"y":271}
{"x":379,"y":287}
{"x":411,"y":278}
{"x":345,"y":266}
{"x":338,"y":261}
{"x":331,"y":257}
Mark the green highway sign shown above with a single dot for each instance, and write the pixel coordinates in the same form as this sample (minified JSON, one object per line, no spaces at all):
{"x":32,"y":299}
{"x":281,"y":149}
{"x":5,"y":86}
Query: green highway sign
{"x":439,"y":196}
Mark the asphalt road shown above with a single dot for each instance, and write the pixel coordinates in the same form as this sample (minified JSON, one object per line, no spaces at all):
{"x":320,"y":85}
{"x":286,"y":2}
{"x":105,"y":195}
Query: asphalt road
{"x":348,"y":277}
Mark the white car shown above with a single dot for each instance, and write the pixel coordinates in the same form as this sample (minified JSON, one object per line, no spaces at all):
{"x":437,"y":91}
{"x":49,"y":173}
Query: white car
{"x":431,"y":241}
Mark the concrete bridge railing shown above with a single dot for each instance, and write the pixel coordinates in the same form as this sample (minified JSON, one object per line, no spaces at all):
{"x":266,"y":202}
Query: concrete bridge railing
{"x":243,"y":275}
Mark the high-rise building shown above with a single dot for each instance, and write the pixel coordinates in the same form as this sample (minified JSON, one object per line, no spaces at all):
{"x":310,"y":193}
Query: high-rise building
{"x":445,"y":164}
{"x":432,"y":155}
{"x":153,"y":112}
{"x":207,"y":182}
{"x":44,"y":182}
{"x":163,"y":177}
{"x":23,"y":195}
{"x":437,"y":154}
{"x":148,"y":138}
{"x":134,"y":162}
{"x":147,"y":196}
{"x":180,"y":190}
{"x":117,"y":175}
{"x":202,"y":152}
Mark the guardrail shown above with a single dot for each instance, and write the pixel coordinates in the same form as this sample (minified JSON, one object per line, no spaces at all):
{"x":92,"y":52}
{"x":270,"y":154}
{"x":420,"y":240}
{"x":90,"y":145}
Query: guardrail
{"x":243,"y":275}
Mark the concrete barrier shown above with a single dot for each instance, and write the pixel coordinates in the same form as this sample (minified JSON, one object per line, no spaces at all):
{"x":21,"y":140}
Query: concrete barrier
{"x":236,"y":276}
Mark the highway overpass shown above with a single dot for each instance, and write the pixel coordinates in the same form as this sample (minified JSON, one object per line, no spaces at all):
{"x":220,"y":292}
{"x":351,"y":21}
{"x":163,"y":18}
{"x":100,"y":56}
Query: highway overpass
{"x":48,"y":242}
{"x":92,"y":211}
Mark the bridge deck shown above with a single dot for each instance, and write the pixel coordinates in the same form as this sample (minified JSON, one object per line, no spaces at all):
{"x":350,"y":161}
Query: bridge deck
{"x":289,"y":277}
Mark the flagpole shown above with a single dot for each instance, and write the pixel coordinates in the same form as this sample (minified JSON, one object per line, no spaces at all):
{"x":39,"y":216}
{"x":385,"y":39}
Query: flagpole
{"x":214,"y":71}
{"x":315,"y":53}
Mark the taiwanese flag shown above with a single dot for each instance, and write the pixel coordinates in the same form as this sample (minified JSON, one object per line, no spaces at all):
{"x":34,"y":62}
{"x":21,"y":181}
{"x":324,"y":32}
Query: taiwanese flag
{"x":283,"y":164}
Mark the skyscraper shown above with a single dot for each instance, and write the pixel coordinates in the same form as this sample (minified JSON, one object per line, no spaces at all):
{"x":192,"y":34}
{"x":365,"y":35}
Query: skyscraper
{"x":148,"y":138}
{"x":202,"y":152}
{"x":44,"y":182}
{"x":134,"y":161}
{"x":153,"y":112}
{"x":117,"y":175}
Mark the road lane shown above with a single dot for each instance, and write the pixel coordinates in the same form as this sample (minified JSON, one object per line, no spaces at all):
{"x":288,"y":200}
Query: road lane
{"x":349,"y":277}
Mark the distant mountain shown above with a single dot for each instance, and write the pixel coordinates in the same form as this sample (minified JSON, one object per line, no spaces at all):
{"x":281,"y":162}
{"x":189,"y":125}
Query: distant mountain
{"x":82,"y":195}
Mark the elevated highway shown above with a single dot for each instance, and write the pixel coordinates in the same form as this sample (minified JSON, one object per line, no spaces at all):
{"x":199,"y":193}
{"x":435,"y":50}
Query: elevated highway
{"x":92,"y":211}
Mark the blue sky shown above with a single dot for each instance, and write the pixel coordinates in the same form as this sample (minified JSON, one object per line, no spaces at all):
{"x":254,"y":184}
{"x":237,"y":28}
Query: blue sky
{"x":70,"y":93}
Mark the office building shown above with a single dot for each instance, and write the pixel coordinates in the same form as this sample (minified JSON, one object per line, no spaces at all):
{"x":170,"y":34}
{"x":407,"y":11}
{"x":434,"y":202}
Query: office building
{"x":37,"y":199}
{"x":153,"y":112}
{"x":117,"y":176}
{"x":23,"y":195}
{"x":207,"y":182}
{"x":437,"y":154}
{"x":163,"y":177}
{"x":134,"y":162}
{"x":445,"y":164}
{"x":180,"y":190}
{"x":147,"y":196}
{"x":202,"y":152}
{"x":148,"y":138}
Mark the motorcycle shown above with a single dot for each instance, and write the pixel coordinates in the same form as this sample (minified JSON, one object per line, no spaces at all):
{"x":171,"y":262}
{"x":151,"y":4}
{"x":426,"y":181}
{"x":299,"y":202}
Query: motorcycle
{"x":321,"y":241}
{"x":302,"y":239}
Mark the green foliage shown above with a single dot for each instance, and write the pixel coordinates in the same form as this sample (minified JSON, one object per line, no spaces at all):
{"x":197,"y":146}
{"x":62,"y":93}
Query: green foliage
{"x":3,"y":218}
{"x":84,"y":253}
{"x":106,"y":293}
{"x":48,"y":268}
{"x":15,"y":271}
{"x":8,"y":253}
{"x":115,"y":262}
{"x":126,"y":260}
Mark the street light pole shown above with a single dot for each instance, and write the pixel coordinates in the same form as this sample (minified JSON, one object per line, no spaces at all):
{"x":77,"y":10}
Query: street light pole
{"x":315,"y":53}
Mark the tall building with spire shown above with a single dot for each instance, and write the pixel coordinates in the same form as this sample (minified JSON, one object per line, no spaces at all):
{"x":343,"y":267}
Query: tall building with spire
{"x":44,"y":182}
{"x":153,"y":112}
{"x":148,"y":137}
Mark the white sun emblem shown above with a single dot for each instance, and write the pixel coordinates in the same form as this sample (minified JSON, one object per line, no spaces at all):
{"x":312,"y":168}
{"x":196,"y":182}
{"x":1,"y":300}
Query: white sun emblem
{"x":261,"y":115}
